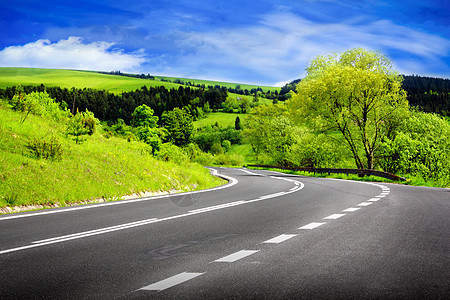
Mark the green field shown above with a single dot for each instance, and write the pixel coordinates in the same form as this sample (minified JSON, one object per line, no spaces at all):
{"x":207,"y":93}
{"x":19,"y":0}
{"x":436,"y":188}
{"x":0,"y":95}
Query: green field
{"x":223,"y":119}
{"x":227,"y":84}
{"x":95,"y":80}
{"x":73,"y":78}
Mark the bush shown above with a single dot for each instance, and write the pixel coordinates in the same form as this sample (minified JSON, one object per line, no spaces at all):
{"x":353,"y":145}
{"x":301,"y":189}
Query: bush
{"x":420,"y":147}
{"x":227,"y":159}
{"x":47,"y":149}
{"x":40,"y":104}
{"x":150,"y":137}
{"x":83,"y":123}
{"x":170,"y":152}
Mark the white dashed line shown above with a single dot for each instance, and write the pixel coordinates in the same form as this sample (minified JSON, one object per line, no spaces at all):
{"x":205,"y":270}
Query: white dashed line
{"x":171,"y":281}
{"x":364,"y":204}
{"x":351,"y":209}
{"x":236,"y":256}
{"x":279,"y":239}
{"x":312,"y":225}
{"x":334,"y":216}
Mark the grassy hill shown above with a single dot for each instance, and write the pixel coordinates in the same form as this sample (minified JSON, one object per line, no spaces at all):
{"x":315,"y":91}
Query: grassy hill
{"x":95,"y":80}
{"x":100,"y":168}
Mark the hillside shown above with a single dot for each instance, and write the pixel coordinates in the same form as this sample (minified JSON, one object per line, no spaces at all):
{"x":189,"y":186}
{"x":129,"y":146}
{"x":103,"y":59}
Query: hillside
{"x":101,"y":168}
{"x":88,"y":79}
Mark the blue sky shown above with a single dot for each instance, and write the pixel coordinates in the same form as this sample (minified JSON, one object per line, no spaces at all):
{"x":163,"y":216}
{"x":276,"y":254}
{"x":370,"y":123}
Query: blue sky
{"x":266,"y":42}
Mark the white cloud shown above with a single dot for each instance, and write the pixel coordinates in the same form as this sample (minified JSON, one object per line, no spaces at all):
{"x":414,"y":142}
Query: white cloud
{"x":280,"y":47}
{"x":71,"y":53}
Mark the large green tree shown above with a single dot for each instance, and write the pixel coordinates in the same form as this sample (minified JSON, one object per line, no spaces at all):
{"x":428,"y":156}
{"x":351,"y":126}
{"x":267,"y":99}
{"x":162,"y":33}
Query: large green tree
{"x":357,"y":93}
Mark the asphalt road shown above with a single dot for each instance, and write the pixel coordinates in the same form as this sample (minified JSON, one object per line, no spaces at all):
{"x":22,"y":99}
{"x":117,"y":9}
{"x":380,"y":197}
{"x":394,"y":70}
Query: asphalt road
{"x":264,"y":235}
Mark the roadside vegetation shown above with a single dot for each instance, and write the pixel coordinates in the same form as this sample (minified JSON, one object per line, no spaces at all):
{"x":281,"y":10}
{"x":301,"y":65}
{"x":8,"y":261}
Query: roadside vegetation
{"x":90,"y":136}
{"x":350,"y":111}
{"x":44,"y":162}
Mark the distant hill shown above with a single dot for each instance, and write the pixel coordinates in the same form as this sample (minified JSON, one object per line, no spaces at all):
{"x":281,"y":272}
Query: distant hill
{"x":115,"y":81}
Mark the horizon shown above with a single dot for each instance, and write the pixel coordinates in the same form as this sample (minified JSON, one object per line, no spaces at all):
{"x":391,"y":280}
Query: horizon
{"x":198,"y":79}
{"x":267,"y":43}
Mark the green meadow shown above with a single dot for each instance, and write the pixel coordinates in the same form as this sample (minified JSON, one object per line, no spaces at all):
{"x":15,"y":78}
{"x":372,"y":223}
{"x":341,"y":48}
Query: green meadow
{"x":95,"y":80}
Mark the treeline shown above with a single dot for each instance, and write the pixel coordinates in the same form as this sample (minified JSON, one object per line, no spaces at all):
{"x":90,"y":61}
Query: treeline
{"x":429,"y":94}
{"x":107,"y":106}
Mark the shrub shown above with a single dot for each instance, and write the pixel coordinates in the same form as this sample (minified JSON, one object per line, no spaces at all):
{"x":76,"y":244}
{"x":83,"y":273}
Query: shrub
{"x":170,"y":152}
{"x":47,"y":149}
{"x":83,"y":123}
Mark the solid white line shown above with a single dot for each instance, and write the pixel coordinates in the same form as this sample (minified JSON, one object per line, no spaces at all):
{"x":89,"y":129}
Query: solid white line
{"x":171,"y":281}
{"x":139,"y":223}
{"x":272,"y":195}
{"x":312,"y":225}
{"x":334,"y":216}
{"x":351,"y":209}
{"x":236,"y":256}
{"x":364,"y":204}
{"x":210,"y":208}
{"x":232,"y":182}
{"x":279,"y":239}
{"x":96,"y":231}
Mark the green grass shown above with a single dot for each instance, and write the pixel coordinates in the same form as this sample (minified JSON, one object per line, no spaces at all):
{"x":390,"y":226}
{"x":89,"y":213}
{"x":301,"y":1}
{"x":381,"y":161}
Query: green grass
{"x":95,"y":80}
{"x":221,"y":83}
{"x":223,"y":119}
{"x":77,"y":79}
{"x":98,"y":168}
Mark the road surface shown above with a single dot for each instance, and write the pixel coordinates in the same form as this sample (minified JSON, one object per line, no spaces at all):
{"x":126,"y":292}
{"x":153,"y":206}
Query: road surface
{"x":263,"y":235}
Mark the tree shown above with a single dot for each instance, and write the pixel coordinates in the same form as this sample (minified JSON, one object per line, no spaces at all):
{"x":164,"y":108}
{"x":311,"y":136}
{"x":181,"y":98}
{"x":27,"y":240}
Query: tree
{"x":237,"y":124}
{"x":356,"y":93}
{"x":83,"y":123}
{"x":179,"y":125}
{"x":143,"y":116}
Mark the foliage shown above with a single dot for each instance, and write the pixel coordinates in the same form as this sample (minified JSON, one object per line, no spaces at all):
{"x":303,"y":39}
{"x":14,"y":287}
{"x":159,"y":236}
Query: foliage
{"x":207,"y":136}
{"x":356,"y":93}
{"x":143,"y":116}
{"x":83,"y":123}
{"x":46,"y":149}
{"x":316,"y":151}
{"x":37,"y":103}
{"x":270,"y":132}
{"x":98,"y":168}
{"x":179,"y":126}
{"x":237,"y":124}
{"x":420,"y":147}
{"x":171,"y":152}
{"x":150,"y":136}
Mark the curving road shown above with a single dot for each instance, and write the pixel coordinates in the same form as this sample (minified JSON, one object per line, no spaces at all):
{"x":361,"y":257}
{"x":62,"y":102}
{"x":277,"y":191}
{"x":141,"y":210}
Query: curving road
{"x":263,"y":235}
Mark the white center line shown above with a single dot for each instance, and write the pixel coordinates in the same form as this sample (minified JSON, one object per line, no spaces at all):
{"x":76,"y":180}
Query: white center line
{"x":351,"y":209}
{"x":312,"y":225}
{"x":236,"y":256}
{"x":334,"y":216}
{"x":364,"y":203}
{"x":171,"y":281}
{"x":279,"y":239}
